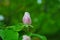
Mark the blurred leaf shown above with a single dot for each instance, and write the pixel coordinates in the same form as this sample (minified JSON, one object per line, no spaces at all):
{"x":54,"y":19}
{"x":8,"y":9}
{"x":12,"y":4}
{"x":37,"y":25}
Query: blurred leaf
{"x":17,"y":27}
{"x":10,"y":35}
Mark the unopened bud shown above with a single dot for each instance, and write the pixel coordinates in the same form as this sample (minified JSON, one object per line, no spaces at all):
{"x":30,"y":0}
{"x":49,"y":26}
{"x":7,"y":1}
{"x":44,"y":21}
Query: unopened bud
{"x":1,"y":17}
{"x":26,"y":18}
{"x":25,"y":37}
{"x":39,"y":1}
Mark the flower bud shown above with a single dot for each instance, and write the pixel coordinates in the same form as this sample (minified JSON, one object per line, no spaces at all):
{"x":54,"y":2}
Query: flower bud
{"x":25,"y":37}
{"x":39,"y":1}
{"x":1,"y":17}
{"x":26,"y":18}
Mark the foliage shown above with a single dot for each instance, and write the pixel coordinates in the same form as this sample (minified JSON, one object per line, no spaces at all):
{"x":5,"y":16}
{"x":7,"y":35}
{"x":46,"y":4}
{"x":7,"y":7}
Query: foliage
{"x":45,"y":18}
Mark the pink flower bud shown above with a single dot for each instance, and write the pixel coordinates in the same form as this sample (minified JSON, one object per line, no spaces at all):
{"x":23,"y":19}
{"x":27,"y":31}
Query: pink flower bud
{"x":25,"y":37}
{"x":26,"y":18}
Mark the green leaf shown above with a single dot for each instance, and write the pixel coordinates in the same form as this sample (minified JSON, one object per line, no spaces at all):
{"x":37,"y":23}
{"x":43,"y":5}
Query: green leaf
{"x":1,"y":33}
{"x":10,"y":35}
{"x":18,"y":27}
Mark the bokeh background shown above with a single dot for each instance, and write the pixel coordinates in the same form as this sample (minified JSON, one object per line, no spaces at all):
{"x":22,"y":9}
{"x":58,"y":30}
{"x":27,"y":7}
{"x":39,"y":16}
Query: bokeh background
{"x":45,"y":15}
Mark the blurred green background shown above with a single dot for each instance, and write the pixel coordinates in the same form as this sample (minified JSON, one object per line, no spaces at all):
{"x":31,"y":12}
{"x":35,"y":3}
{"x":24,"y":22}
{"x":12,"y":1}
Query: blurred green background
{"x":45,"y":15}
